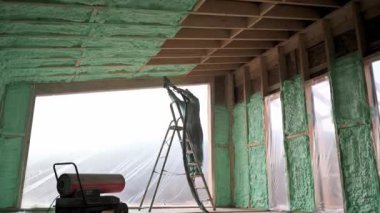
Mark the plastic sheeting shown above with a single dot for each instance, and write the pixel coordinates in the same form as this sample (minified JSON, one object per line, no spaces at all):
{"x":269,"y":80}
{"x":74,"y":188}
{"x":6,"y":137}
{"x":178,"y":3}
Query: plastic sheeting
{"x":327,"y":179}
{"x":14,"y":123}
{"x":277,"y":172}
{"x":239,"y":137}
{"x":376,"y":79}
{"x":351,"y":113}
{"x":222,"y":156}
{"x":122,"y":142}
{"x":257,"y":156}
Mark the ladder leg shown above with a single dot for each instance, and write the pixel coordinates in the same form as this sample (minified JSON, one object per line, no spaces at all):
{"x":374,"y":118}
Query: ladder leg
{"x":162,"y":170}
{"x":155,"y":165}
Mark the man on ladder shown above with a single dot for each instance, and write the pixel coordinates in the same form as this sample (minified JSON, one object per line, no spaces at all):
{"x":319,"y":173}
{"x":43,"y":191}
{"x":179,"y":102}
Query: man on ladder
{"x":191,"y":138}
{"x":193,"y":122}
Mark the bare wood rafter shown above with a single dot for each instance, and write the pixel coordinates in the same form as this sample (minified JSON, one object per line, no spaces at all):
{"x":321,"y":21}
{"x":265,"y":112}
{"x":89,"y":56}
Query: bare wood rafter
{"x":314,"y":3}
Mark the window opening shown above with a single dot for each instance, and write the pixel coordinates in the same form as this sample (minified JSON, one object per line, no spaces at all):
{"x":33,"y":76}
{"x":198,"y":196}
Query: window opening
{"x":327,"y":177}
{"x":109,"y":132}
{"x":278,"y":180}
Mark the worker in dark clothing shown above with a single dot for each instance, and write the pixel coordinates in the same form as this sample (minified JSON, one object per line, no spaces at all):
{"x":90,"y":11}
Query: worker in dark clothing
{"x":193,"y":122}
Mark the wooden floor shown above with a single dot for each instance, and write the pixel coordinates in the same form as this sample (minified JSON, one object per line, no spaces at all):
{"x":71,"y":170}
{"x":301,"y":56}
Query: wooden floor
{"x":195,"y":210}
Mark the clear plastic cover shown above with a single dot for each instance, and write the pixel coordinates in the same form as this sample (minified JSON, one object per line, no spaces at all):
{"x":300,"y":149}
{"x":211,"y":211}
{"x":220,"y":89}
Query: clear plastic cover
{"x":328,"y":187}
{"x":278,"y":182}
{"x":125,"y":140}
{"x":376,"y":78}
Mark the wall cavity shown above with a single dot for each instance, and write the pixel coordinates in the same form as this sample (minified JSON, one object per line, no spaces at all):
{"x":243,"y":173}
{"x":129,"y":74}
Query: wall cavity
{"x":222,"y":156}
{"x":301,"y":186}
{"x":14,"y":121}
{"x":241,"y":170}
{"x":257,"y":154}
{"x":351,"y":114}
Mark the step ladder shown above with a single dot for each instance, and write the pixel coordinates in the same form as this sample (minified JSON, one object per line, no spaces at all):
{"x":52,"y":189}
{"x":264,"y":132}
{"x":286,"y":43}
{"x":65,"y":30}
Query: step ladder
{"x":177,"y":126}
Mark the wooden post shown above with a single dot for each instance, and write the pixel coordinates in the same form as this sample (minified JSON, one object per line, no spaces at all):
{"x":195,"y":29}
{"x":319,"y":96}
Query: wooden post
{"x":230,"y":106}
{"x":263,"y":77}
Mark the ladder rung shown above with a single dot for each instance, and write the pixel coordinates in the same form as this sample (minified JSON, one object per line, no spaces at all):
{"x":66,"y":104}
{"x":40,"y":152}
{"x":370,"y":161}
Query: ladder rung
{"x":205,"y":200}
{"x":197,"y":188}
{"x":176,"y":127}
{"x":192,"y":164}
{"x":189,"y":152}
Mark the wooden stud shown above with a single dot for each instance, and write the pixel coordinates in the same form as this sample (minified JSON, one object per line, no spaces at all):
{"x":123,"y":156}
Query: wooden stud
{"x":359,"y":28}
{"x":279,"y":24}
{"x":265,"y":35}
{"x":190,"y":44}
{"x":230,"y":107}
{"x":303,"y":58}
{"x":250,"y":44}
{"x":329,"y":42}
{"x":282,"y":63}
{"x":263,"y":77}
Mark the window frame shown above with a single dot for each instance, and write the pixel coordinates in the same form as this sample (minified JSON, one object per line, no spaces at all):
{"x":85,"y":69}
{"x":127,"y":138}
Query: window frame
{"x":267,"y":138}
{"x":311,"y":131}
{"x":46,"y":89}
{"x":373,"y":103}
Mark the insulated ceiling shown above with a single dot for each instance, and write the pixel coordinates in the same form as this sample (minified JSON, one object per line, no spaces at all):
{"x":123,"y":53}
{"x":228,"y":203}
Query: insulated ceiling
{"x":77,"y":40}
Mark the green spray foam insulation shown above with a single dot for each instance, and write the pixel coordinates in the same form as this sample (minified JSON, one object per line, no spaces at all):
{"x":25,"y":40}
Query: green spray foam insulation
{"x":222,"y":154}
{"x":352,"y":118}
{"x":14,"y":124}
{"x":241,"y":174}
{"x":360,"y":178}
{"x":301,"y":185}
{"x":349,"y":91}
{"x":294,"y":106}
{"x":115,"y":33}
{"x":257,"y":156}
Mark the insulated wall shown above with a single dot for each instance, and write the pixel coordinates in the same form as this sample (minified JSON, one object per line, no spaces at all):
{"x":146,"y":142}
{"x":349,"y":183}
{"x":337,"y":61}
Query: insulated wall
{"x":241,"y":175}
{"x":257,"y":154}
{"x":352,"y":118}
{"x":222,"y":156}
{"x":301,"y":186}
{"x":14,"y":122}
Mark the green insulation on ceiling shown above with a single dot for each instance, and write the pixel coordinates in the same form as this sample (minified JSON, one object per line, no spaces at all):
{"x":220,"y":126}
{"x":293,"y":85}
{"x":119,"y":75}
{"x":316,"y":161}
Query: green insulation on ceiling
{"x":360,"y":177}
{"x":294,"y":106}
{"x":13,"y":127}
{"x":257,"y":154}
{"x":301,"y":185}
{"x":222,"y":157}
{"x":83,"y":40}
{"x":241,"y":169}
{"x":349,"y":91}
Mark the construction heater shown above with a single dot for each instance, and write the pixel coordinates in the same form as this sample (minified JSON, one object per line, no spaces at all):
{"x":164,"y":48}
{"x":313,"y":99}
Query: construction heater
{"x":83,"y":192}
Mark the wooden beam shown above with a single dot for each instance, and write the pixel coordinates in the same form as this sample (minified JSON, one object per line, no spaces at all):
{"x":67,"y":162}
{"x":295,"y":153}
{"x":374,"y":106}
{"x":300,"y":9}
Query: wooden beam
{"x":247,"y":88}
{"x":359,"y":28}
{"x":186,"y":33}
{"x":251,"y":44}
{"x":314,"y":3}
{"x":293,"y":12}
{"x":218,"y":22}
{"x":206,"y":67}
{"x":164,"y":61}
{"x":264,"y":35}
{"x":226,"y":7}
{"x":304,"y":63}
{"x":278,"y":24}
{"x":190,"y":44}
{"x":236,"y":52}
{"x":329,"y":41}
{"x":282,"y":63}
{"x":181,"y":53}
{"x":263,"y":77}
{"x":227,"y":60}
